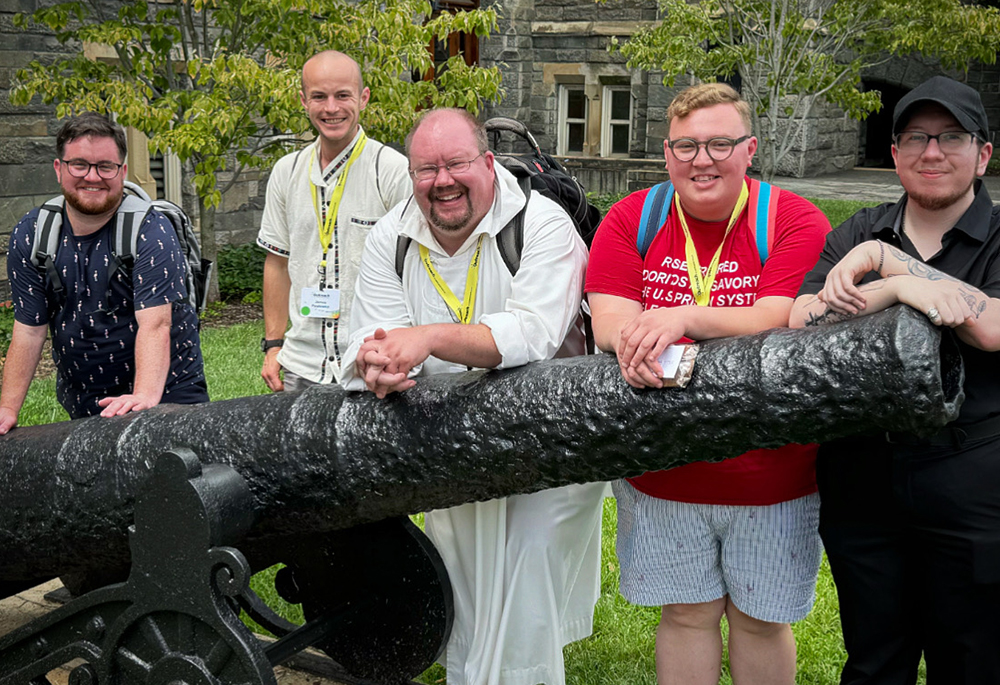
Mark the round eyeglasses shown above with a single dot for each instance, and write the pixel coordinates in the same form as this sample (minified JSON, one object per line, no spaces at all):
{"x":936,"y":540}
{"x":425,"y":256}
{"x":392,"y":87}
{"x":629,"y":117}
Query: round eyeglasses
{"x":949,"y":142}
{"x":718,"y":149}
{"x":430,"y":171}
{"x":80,"y":168}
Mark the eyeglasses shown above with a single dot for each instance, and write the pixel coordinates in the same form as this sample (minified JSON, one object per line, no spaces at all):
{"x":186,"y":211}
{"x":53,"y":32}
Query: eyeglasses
{"x":949,"y":142}
{"x":718,"y":149}
{"x":80,"y":168}
{"x":430,"y":171}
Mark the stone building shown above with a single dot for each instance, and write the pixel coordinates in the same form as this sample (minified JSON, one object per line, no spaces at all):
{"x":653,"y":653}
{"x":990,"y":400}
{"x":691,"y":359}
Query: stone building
{"x":605,"y":121}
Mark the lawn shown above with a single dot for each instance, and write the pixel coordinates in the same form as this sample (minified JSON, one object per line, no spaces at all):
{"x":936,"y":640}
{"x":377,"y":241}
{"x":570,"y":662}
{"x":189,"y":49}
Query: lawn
{"x":621,"y":649}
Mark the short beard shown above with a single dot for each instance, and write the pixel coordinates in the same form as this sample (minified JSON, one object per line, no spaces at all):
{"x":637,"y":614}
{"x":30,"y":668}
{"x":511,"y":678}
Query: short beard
{"x":455,"y":225}
{"x":74,"y":200}
{"x":934,"y":203}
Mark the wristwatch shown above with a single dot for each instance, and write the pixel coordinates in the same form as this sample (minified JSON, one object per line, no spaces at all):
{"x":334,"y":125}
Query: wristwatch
{"x":266,"y":344}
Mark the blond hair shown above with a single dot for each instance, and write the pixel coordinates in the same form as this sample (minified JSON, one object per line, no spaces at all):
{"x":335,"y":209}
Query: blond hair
{"x":707,"y":95}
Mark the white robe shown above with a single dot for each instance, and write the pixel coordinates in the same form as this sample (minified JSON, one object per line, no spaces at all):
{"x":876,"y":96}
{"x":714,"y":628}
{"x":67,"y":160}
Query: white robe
{"x":525,"y":572}
{"x":525,"y":569}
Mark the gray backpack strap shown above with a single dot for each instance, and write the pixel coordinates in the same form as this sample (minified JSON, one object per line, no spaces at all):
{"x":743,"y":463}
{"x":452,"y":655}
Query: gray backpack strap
{"x":48,"y":228}
{"x":129,"y":218}
{"x":510,"y":239}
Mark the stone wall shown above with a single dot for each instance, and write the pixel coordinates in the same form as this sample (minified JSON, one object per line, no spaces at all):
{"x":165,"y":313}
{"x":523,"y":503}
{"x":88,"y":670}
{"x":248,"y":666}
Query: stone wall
{"x":827,"y":143}
{"x":27,"y":142}
{"x":542,"y":44}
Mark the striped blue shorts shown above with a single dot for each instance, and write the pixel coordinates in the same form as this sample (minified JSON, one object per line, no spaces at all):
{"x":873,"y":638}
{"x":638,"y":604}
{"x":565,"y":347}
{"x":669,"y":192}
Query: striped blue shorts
{"x":765,"y":558}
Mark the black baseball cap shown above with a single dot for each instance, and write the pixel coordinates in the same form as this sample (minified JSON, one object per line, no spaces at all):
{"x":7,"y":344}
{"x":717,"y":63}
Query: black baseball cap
{"x":962,"y":101}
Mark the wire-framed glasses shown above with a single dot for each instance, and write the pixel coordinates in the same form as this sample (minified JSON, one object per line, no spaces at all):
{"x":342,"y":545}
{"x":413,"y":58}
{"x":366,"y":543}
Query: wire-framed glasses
{"x":430,"y":171}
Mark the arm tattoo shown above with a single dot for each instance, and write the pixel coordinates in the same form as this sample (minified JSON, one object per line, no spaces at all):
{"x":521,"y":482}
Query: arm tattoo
{"x":918,"y":268}
{"x":829,"y":316}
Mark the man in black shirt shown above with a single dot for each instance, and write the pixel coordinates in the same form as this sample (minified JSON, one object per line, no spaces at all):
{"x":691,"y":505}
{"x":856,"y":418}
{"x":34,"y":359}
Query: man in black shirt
{"x":912,"y":526}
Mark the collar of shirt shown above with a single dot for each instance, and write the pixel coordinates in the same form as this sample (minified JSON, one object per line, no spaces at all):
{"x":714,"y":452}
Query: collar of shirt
{"x":322,"y":178}
{"x":508,"y":199}
{"x":975,"y":222}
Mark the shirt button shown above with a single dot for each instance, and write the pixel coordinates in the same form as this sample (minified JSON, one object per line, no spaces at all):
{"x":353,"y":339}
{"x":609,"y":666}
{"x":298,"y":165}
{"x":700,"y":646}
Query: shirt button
{"x":333,"y":359}
{"x":329,"y":324}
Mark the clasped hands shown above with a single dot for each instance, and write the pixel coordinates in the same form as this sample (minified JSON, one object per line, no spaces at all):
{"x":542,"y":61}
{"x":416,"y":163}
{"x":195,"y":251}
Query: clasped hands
{"x":386,"y":358}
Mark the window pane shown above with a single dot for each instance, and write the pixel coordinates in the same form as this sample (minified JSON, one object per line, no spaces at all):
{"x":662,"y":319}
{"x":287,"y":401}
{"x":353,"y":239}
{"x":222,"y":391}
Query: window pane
{"x":620,"y":100}
{"x":619,"y":139}
{"x":576,"y":104}
{"x":575,"y":138}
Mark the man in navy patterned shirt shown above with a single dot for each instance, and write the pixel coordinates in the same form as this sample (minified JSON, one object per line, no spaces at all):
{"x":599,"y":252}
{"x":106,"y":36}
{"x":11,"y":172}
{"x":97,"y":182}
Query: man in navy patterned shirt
{"x":121,"y":342}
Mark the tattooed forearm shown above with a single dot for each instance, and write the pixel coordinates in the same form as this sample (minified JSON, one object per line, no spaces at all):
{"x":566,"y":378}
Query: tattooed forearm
{"x":918,"y":268}
{"x":829,"y":316}
{"x":975,"y":299}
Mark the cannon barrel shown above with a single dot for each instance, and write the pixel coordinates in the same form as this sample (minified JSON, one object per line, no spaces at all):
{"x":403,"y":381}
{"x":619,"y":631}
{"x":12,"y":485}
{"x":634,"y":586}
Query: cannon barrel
{"x":325,"y":459}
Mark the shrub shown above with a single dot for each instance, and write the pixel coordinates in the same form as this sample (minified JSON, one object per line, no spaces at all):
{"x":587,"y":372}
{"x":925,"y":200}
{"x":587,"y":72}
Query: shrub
{"x":241,"y":271}
{"x":6,"y":326}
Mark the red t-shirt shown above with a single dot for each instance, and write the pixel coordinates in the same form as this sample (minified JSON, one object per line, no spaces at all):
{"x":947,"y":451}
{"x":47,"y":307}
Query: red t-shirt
{"x":759,"y":477}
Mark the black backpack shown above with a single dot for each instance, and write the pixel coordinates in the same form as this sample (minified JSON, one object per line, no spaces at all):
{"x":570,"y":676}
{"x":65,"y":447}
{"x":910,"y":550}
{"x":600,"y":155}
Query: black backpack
{"x":546,"y":175}
{"x":132,"y":212}
{"x":534,"y":171}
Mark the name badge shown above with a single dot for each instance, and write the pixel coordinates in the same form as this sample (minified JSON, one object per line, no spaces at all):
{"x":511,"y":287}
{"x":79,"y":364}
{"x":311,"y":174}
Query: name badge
{"x":320,"y":304}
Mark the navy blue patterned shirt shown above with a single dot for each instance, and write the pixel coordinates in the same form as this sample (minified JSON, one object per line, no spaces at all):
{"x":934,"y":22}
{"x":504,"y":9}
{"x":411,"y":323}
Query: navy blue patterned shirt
{"x":93,"y":326}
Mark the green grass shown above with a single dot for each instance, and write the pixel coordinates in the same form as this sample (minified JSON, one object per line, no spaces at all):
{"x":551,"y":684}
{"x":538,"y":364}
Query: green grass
{"x":621,"y":649}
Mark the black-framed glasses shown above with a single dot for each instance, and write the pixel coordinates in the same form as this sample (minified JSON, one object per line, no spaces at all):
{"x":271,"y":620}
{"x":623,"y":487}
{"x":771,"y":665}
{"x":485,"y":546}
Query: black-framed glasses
{"x":718,"y":149}
{"x":80,"y":168}
{"x":430,"y":171}
{"x":949,"y":142}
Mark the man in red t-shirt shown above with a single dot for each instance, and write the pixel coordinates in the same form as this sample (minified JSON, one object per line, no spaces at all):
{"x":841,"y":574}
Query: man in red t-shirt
{"x":736,"y":538}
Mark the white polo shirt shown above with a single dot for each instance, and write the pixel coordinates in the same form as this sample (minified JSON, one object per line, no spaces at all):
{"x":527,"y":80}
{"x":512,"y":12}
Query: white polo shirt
{"x":377,"y":180}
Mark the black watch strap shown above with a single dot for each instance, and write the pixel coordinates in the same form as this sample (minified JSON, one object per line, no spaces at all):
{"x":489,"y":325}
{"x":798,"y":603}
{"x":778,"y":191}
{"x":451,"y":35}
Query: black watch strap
{"x":266,"y":344}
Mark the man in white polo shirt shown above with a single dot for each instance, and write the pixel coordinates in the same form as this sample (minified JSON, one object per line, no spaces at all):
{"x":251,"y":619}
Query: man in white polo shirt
{"x":321,"y":203}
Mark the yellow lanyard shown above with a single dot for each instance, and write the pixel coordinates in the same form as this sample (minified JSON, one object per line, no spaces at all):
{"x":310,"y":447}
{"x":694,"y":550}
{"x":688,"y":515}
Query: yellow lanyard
{"x":463,"y":312}
{"x":701,"y":286}
{"x":326,"y":228}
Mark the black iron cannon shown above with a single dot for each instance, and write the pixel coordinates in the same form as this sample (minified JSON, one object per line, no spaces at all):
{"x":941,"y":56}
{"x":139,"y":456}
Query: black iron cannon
{"x":324,"y":477}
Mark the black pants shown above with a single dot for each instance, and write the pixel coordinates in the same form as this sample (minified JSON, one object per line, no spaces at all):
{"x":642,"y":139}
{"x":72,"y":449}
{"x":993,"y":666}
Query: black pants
{"x":913,"y":539}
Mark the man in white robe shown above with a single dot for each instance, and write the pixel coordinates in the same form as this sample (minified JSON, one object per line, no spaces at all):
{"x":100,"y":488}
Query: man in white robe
{"x":525,"y":569}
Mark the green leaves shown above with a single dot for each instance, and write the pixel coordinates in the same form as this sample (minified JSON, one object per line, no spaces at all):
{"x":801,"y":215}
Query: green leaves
{"x":217,"y":81}
{"x":792,"y":53}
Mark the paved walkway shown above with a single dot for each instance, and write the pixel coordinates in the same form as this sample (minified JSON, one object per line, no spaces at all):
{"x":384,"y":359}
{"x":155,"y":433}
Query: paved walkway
{"x":870,"y":185}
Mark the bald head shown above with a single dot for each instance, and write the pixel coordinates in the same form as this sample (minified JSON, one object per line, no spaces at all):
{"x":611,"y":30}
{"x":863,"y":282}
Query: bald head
{"x":331,"y":60}
{"x":451,"y":116}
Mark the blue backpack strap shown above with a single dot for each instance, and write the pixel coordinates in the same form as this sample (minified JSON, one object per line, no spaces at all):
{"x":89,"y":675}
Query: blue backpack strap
{"x":763,"y":207}
{"x":655,"y":208}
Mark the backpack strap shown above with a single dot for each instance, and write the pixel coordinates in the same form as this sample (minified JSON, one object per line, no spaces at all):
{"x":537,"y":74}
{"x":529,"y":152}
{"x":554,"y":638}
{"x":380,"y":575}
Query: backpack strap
{"x":128,"y":219}
{"x":48,"y":228}
{"x":402,"y":243}
{"x":378,"y":177}
{"x":510,"y":239}
{"x":654,"y":213}
{"x":763,"y":208}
